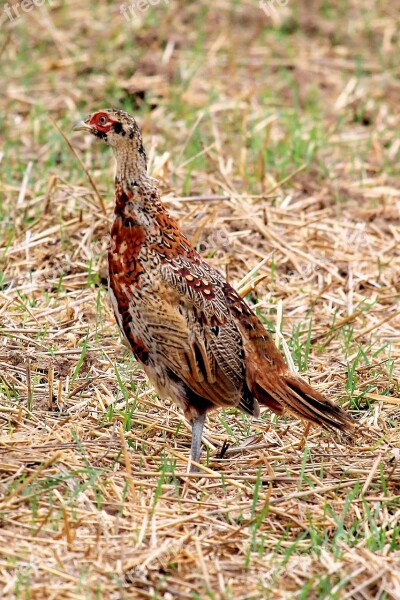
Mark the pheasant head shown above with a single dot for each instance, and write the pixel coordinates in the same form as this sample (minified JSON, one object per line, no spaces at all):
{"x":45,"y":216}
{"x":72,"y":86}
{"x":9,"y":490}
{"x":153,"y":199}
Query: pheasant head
{"x":120,"y":131}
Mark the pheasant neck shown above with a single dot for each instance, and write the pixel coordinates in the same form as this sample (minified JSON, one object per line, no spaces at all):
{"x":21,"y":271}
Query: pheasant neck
{"x":131,"y":164}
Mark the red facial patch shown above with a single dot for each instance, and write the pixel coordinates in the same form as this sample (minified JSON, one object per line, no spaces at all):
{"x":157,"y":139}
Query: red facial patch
{"x":102,"y":122}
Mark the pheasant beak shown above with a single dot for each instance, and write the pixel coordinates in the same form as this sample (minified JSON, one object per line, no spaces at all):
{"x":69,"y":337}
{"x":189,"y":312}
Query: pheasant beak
{"x":82,"y":126}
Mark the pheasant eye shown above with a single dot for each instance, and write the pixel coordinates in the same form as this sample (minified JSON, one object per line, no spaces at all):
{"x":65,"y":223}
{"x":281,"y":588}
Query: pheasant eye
{"x":102,"y":120}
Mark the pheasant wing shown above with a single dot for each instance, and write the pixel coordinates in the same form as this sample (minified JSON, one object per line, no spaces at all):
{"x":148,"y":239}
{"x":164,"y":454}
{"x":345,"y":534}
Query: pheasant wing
{"x":209,"y":356}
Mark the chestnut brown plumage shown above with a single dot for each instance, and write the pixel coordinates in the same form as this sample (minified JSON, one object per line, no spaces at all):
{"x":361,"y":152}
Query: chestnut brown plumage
{"x":197,"y":340}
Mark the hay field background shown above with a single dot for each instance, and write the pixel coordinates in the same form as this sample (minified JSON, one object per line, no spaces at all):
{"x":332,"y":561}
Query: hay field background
{"x":275,"y":137}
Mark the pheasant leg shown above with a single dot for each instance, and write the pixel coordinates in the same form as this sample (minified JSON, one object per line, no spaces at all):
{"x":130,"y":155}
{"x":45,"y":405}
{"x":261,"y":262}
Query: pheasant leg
{"x":197,"y":432}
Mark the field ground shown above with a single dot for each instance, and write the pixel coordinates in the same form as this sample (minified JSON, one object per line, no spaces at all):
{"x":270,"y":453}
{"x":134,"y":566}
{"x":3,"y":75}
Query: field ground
{"x":275,"y":135}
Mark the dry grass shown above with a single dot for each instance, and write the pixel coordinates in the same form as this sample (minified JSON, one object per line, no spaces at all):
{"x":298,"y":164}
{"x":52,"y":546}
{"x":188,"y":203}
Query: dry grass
{"x":276,"y":143}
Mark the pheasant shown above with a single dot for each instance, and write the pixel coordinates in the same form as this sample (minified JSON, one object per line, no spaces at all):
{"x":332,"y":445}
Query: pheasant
{"x":197,"y":340}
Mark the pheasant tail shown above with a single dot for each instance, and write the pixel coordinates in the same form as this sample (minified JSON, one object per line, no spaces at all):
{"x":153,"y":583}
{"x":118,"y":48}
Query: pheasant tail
{"x":298,"y":397}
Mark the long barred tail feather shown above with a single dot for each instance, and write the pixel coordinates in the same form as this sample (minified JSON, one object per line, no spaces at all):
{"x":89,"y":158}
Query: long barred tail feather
{"x":298,"y":397}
